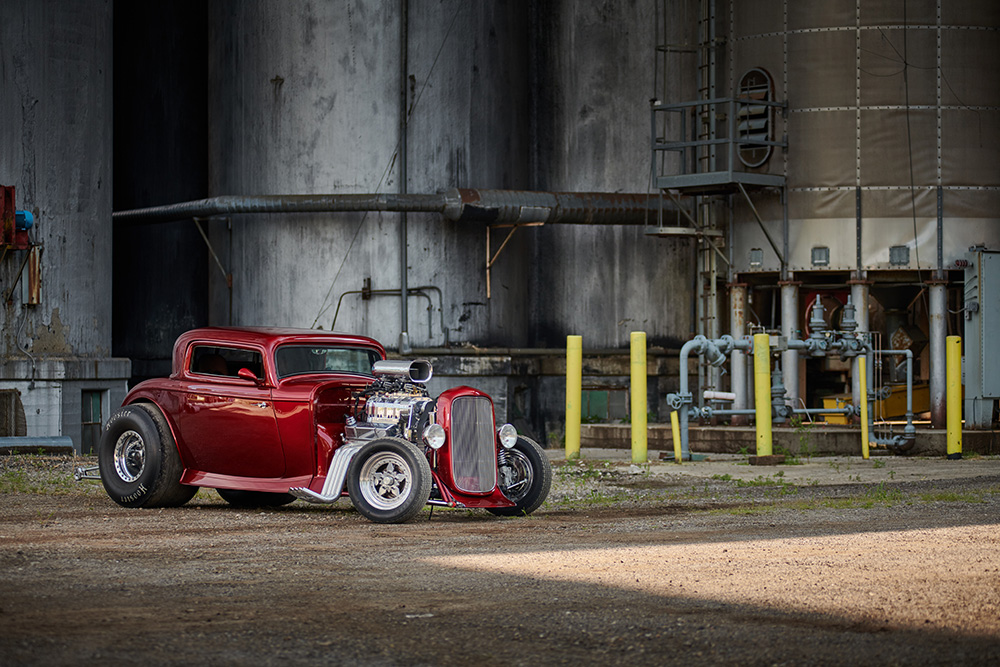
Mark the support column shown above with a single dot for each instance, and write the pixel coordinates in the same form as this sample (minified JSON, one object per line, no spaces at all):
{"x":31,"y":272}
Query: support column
{"x":938,"y":325}
{"x":738,"y":359}
{"x":859,"y":297}
{"x":790,"y":329}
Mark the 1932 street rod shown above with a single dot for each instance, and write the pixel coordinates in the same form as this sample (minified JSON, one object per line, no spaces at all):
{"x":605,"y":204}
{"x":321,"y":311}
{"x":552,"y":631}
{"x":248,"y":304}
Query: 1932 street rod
{"x":266,"y":416}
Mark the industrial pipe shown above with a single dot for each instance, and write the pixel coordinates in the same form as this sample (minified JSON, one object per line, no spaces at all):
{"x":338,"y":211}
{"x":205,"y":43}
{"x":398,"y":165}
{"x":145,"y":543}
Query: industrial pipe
{"x":904,"y":441}
{"x":738,"y":365}
{"x":789,"y":329}
{"x":715,"y":352}
{"x":638,"y":393}
{"x":458,"y":205}
{"x":938,"y":329}
{"x":859,"y":296}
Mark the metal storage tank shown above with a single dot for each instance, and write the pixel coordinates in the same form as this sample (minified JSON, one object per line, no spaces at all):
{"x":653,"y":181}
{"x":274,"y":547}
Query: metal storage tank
{"x":890,"y":110}
{"x":892,"y":126}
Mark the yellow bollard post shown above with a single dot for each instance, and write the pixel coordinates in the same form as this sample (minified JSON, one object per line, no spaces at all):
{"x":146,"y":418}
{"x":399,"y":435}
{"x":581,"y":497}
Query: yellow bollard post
{"x":863,"y":383}
{"x":638,"y":392}
{"x":574,"y":394}
{"x":762,"y":392}
{"x":675,"y":428}
{"x":953,"y":384}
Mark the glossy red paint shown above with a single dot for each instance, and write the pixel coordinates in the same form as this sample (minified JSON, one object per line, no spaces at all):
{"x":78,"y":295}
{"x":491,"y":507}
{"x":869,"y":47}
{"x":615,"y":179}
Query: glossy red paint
{"x":443,"y":467}
{"x":239,"y":434}
{"x":272,"y":434}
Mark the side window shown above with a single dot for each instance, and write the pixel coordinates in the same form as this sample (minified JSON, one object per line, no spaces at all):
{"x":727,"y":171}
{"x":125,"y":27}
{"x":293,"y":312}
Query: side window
{"x":225,"y":361}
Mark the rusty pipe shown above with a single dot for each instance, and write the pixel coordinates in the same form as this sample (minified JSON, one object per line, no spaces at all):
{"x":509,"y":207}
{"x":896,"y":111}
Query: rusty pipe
{"x":458,"y":205}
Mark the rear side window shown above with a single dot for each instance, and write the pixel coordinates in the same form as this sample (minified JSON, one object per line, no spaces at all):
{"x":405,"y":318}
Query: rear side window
{"x":225,"y":361}
{"x":301,"y":359}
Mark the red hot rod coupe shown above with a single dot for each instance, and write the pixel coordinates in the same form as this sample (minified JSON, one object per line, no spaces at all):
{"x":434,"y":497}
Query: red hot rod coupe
{"x":266,"y":416}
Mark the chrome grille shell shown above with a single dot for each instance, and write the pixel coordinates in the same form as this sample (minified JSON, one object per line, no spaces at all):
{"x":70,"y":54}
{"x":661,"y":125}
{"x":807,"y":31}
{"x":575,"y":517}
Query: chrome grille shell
{"x":473,"y":444}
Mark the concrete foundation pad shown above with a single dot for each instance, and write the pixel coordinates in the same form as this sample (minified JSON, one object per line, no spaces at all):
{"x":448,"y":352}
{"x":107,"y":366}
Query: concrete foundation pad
{"x":809,"y":439}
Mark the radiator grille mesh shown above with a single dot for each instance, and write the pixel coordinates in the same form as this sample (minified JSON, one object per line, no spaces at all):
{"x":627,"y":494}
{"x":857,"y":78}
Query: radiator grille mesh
{"x":473,"y":453}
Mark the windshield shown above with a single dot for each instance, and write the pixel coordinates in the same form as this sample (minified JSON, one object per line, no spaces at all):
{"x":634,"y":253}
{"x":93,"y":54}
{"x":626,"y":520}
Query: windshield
{"x":301,"y":359}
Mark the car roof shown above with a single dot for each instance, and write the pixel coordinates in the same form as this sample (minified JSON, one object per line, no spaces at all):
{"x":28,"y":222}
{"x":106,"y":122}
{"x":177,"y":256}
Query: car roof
{"x":266,"y":337}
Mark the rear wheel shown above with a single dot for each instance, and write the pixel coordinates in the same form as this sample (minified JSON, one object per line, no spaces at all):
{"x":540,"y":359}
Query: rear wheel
{"x":138,"y":460}
{"x":389,"y":480}
{"x":250,"y":499}
{"x":525,"y":477}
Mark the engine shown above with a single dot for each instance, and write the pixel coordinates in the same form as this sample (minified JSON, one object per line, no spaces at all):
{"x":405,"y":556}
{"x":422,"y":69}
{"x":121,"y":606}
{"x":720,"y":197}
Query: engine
{"x":396,"y":404}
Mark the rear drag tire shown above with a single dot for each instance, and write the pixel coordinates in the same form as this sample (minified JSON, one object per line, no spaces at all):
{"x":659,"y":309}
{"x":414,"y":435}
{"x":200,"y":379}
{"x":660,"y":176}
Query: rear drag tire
{"x":138,"y":459}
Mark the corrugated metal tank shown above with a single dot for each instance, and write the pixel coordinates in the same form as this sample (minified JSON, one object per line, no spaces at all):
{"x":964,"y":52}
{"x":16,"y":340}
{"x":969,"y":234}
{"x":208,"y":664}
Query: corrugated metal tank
{"x":889,"y":103}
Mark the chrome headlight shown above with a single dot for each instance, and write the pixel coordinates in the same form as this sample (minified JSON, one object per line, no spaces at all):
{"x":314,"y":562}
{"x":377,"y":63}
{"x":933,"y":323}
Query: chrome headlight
{"x":434,"y":436}
{"x":508,"y":435}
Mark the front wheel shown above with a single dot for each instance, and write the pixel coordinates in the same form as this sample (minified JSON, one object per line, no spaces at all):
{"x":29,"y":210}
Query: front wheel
{"x":525,"y":477}
{"x":389,"y":481}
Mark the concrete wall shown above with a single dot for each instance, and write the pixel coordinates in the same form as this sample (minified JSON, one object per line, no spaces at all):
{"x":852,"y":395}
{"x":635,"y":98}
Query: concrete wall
{"x":55,"y":148}
{"x":55,"y":101}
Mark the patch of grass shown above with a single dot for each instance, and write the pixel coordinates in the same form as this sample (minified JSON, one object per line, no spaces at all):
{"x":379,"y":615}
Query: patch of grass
{"x":43,"y":474}
{"x":878,"y":463}
{"x":762,"y":480}
{"x":14,"y":481}
{"x":583,"y":469}
{"x":952,"y":497}
{"x":742,"y":510}
{"x":885,"y":494}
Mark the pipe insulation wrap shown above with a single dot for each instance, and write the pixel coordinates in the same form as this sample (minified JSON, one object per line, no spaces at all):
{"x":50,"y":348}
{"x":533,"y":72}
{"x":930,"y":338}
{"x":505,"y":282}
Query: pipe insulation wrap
{"x":465,"y":205}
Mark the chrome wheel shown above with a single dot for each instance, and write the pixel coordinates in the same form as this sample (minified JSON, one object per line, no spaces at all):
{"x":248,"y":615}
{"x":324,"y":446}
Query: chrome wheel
{"x":130,"y":456}
{"x":385,"y":480}
{"x":516,"y":475}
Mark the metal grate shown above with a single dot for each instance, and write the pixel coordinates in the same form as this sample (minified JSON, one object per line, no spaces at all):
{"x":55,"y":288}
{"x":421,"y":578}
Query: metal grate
{"x":473,"y":452}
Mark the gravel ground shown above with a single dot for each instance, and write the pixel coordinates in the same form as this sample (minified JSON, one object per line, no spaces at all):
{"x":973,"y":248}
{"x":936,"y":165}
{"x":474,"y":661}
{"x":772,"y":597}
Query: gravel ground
{"x":837,"y":561}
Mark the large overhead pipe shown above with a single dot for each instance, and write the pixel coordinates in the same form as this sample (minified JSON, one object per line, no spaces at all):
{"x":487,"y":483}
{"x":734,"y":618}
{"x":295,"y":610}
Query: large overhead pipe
{"x":459,"y":205}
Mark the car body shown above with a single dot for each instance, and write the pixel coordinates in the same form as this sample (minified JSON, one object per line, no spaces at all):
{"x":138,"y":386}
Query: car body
{"x":267,"y":415}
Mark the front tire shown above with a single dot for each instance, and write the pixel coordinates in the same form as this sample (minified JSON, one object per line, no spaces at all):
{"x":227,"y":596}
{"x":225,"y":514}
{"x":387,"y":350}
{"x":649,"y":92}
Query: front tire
{"x":525,"y":478}
{"x":254,"y":499}
{"x":389,"y":481}
{"x":138,"y":460}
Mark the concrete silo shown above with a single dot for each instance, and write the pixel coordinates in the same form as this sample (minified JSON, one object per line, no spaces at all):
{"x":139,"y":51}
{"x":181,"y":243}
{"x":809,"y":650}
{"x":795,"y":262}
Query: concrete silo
{"x":57,"y":375}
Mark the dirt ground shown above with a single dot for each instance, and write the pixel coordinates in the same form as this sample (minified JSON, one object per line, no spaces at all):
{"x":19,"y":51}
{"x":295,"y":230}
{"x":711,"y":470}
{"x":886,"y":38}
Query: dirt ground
{"x":838,"y":561}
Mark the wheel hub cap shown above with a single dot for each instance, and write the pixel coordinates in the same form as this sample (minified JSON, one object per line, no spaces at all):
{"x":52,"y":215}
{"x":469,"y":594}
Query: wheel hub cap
{"x":130,"y":456}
